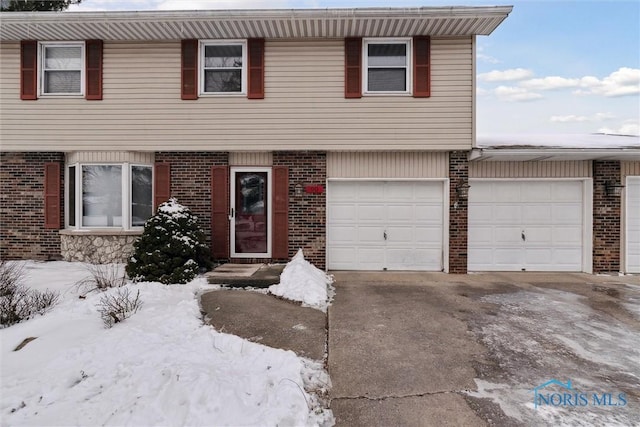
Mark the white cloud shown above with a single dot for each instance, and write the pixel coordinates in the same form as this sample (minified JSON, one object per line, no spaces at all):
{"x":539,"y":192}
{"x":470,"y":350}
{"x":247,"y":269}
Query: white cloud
{"x":625,"y":81}
{"x":598,"y":117}
{"x":506,"y":75}
{"x":481,"y":92}
{"x":515,"y":94}
{"x":550,"y":83}
{"x":487,"y":58}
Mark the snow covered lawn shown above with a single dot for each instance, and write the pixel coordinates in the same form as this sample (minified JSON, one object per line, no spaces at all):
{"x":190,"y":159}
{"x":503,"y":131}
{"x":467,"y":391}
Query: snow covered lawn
{"x":162,"y":366}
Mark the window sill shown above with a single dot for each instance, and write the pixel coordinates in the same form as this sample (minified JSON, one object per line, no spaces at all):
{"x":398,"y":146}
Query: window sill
{"x":100,"y":232}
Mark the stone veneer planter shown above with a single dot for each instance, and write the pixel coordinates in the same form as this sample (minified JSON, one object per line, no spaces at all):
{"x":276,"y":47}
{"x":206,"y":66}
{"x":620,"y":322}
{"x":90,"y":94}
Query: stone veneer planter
{"x":98,"y":247}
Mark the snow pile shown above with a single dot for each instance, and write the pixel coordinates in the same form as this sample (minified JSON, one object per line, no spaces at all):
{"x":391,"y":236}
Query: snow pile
{"x":162,"y":366}
{"x":301,"y":281}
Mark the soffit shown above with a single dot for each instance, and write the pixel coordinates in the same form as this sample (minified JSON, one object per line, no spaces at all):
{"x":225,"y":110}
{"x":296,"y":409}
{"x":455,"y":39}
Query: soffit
{"x":230,"y":24}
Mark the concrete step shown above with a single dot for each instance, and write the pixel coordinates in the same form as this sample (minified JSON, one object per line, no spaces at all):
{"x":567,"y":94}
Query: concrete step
{"x":246,"y":275}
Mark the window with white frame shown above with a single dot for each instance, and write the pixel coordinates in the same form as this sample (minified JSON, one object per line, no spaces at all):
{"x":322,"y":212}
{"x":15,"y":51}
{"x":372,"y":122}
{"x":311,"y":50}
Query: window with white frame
{"x":223,"y":67}
{"x":387,"y":64}
{"x":109,"y":195}
{"x":61,"y":68}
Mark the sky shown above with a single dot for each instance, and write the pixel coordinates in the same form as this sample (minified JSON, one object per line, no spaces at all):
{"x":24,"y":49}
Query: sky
{"x":551,"y":67}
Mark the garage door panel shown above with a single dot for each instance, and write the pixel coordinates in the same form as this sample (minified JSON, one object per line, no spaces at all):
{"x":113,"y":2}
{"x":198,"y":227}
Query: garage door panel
{"x":370,"y":212}
{"x":509,"y":213}
{"x":567,"y":213}
{"x":414,"y":259}
{"x":399,"y":191}
{"x":428,"y":235}
{"x":569,"y":191}
{"x":536,"y":192}
{"x":341,"y":213}
{"x":428,"y":193}
{"x":549,"y":213}
{"x":343,"y":193}
{"x":536,"y":214}
{"x":343,"y":234}
{"x":567,"y":235}
{"x":507,"y":235}
{"x":370,"y":235}
{"x":401,"y":212}
{"x":429,"y":213}
{"x":369,"y":191}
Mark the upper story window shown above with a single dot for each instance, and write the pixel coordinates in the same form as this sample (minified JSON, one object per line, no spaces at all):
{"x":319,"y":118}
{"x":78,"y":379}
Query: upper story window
{"x":387,"y":64}
{"x":62,"y":68}
{"x":223,"y":67}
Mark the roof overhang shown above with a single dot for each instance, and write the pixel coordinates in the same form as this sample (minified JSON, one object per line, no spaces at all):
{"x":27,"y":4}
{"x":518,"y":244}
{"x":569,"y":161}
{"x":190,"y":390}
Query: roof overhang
{"x":268,"y":23}
{"x":551,"y":154}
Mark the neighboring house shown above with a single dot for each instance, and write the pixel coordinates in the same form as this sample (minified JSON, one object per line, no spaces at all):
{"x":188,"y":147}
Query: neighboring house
{"x":344,"y":132}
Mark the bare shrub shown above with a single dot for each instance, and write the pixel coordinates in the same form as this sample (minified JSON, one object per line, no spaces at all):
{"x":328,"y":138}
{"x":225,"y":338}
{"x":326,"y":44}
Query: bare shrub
{"x":115,"y":308}
{"x":102,"y":277}
{"x":11,"y":275}
{"x":18,"y":303}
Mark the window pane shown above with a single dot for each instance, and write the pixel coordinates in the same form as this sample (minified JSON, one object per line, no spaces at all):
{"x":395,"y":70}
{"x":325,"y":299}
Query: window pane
{"x":386,"y":55}
{"x":222,"y":56}
{"x":387,"y":80}
{"x":62,"y":82}
{"x":63,"y":58}
{"x":102,"y":196}
{"x":223,"y":81}
{"x":71,"y":202}
{"x":141,"y":196}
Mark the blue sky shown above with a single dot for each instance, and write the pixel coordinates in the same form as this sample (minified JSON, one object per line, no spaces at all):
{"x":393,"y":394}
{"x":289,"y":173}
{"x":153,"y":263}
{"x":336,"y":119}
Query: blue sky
{"x":551,"y":67}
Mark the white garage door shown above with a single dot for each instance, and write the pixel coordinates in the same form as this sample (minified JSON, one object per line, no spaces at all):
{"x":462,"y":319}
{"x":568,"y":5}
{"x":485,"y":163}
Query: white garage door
{"x":633,"y":224}
{"x":377,"y":225}
{"x":526,"y":225}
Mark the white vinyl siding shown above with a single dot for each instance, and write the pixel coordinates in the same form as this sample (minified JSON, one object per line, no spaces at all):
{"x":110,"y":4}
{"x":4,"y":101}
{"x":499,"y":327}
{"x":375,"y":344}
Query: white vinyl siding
{"x":386,"y":164}
{"x":304,"y":106}
{"x":549,"y":169}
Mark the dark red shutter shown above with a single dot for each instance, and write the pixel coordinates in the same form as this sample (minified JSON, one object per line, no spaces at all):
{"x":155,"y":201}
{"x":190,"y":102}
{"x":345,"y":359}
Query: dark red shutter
{"x":94,"y":69}
{"x":161,"y":183}
{"x":256,"y":68}
{"x":280,"y":239}
{"x":421,"y":67}
{"x":189,"y":69}
{"x":220,"y":212}
{"x":28,"y":69}
{"x":353,"y":68}
{"x":52,"y":195}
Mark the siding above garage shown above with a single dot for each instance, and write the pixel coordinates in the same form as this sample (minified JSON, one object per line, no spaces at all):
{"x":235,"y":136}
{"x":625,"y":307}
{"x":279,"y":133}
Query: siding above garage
{"x":550,"y":169}
{"x":387,"y":165}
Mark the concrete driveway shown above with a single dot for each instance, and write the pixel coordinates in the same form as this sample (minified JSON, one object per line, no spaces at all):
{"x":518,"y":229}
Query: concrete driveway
{"x":420,"y":349}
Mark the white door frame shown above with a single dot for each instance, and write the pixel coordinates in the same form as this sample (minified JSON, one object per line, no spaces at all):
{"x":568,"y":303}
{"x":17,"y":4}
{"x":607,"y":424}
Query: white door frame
{"x":587,"y":212}
{"x":445,"y":209}
{"x":232,"y":204}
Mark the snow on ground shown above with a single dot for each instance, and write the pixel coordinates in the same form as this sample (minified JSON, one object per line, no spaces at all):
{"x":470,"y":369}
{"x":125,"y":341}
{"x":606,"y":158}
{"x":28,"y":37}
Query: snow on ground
{"x":302,"y":281}
{"x":552,"y":334}
{"x":162,"y":366}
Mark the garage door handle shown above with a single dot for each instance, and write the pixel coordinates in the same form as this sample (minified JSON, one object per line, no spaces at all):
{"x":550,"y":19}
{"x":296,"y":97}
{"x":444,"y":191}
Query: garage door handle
{"x":524,"y":238}
{"x":385,"y":235}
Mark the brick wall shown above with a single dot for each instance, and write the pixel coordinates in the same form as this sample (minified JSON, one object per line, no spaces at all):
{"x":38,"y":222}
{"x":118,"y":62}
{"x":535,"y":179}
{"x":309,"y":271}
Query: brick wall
{"x":22,"y":232}
{"x":191,"y":181}
{"x":458,"y":212}
{"x":307,"y":212}
{"x":606,"y":218}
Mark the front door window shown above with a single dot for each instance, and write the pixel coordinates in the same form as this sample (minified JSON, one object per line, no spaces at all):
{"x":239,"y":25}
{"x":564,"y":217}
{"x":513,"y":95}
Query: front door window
{"x":250,"y":222}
